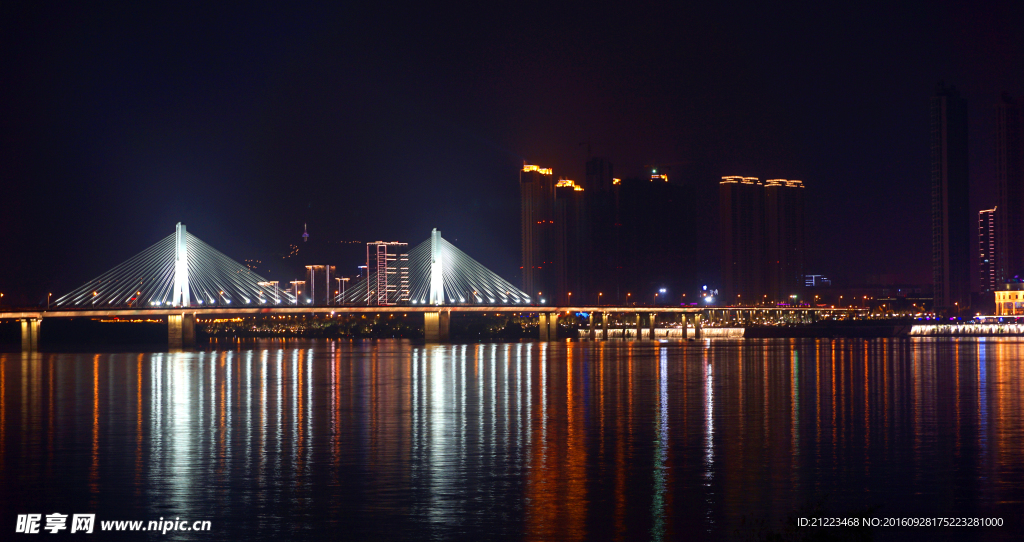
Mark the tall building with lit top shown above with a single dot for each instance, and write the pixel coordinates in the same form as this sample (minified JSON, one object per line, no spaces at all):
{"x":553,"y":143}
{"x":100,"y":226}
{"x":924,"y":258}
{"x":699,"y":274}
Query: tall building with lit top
{"x":987,"y":257}
{"x":784,"y":238}
{"x":1010,"y":183}
{"x":950,"y":217}
{"x":741,"y":219}
{"x":570,"y":240}
{"x":537,"y":199}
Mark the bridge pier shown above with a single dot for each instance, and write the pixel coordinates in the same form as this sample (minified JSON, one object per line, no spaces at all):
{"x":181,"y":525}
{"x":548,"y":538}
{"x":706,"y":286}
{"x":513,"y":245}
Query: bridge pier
{"x":604,"y":326}
{"x":593,"y":325}
{"x":653,"y":315}
{"x":548,"y":326}
{"x":436,"y":326}
{"x":30,"y":334}
{"x":638,"y":327}
{"x":181,"y":331}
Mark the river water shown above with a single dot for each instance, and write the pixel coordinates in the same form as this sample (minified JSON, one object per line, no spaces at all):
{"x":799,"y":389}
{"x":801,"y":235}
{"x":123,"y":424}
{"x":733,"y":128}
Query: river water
{"x":394,"y":440}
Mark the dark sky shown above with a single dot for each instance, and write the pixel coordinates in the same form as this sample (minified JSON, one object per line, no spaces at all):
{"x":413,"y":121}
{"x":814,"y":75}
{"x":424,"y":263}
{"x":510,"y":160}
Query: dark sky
{"x":381,"y":123}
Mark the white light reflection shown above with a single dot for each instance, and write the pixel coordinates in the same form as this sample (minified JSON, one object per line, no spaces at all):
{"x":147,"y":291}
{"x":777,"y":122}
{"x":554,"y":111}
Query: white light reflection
{"x":180,"y":429}
{"x":661,"y":449}
{"x":293,"y":388}
{"x":462,"y":407}
{"x":262,"y":471}
{"x":709,"y":439}
{"x":444,"y":475}
{"x":228,"y":424}
{"x":248,"y":411}
{"x":309,"y":407}
{"x":527,"y":424}
{"x":279,"y":385}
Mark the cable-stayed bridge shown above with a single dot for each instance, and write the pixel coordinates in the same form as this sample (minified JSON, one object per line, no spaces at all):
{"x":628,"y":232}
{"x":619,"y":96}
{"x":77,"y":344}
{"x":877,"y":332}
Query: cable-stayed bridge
{"x":181,"y":278}
{"x":183,"y":271}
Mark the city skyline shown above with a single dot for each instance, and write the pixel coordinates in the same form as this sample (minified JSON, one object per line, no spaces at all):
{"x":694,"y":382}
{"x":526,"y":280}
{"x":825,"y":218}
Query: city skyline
{"x":116,"y":126}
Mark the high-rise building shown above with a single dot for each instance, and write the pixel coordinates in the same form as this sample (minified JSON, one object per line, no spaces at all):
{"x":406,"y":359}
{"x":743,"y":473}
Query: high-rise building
{"x":537,"y":198}
{"x":784,"y":238}
{"x":949,"y":198}
{"x":1010,"y":182}
{"x":599,"y":175}
{"x":571,"y":240}
{"x":388,"y":264}
{"x":741,"y":219}
{"x":988,"y":259}
{"x":602,"y":249}
{"x":762,"y":243}
{"x":318,"y":284}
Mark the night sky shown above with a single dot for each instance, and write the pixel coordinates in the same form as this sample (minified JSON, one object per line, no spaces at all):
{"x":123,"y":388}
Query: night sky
{"x":246,"y":122}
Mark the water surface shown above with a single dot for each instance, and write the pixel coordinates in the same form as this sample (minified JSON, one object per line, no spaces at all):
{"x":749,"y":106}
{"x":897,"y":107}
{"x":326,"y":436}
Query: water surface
{"x":393,"y":440}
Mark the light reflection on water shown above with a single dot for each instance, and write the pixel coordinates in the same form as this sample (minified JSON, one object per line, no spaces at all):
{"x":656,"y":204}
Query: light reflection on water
{"x":554,"y":441}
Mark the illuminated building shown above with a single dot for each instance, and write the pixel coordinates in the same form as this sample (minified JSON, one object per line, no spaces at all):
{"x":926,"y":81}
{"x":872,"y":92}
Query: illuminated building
{"x":390,"y":270}
{"x":1010,"y":182}
{"x":816,"y":281}
{"x":987,"y":257}
{"x":784,"y":238}
{"x":762,"y":243}
{"x":537,"y":198}
{"x":949,"y":197}
{"x":741,"y":219}
{"x":1010,"y":298}
{"x":570,"y":239}
{"x":318,"y":279}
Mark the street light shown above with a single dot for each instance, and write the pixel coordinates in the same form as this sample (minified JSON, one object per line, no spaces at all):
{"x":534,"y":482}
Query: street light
{"x":570,"y":299}
{"x":599,"y":294}
{"x":48,"y":300}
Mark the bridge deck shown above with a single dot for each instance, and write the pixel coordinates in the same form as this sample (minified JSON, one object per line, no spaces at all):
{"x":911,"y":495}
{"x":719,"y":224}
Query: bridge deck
{"x":291,"y":309}
{"x":258,"y":311}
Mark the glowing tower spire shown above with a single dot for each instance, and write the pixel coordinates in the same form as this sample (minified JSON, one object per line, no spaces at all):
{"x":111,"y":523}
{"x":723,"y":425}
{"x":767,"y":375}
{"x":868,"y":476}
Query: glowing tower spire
{"x":180,"y":293}
{"x":436,"y":269}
